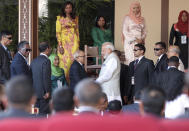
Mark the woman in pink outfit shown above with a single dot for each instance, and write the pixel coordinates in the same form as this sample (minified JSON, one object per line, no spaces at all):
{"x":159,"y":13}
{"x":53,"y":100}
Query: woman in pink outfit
{"x":134,"y":31}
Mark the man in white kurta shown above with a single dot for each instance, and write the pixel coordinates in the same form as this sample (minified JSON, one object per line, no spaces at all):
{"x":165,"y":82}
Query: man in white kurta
{"x":109,"y":76}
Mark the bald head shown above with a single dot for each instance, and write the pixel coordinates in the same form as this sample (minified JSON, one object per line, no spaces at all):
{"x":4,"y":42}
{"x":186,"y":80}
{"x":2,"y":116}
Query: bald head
{"x":88,"y":92}
{"x":173,"y":51}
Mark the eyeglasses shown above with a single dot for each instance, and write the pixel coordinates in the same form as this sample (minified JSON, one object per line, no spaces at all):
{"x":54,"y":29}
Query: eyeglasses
{"x":157,"y":49}
{"x":28,"y":50}
{"x":137,"y":49}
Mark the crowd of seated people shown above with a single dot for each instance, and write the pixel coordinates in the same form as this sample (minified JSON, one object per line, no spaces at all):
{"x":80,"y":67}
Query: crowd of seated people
{"x":89,"y":100}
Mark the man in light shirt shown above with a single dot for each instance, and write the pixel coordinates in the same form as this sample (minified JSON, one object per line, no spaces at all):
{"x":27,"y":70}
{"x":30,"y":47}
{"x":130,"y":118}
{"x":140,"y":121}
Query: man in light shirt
{"x":175,"y":51}
{"x":109,"y":77}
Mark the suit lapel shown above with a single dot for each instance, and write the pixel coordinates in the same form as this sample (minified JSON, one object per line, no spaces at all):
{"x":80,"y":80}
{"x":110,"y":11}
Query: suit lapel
{"x":6,"y":53}
{"x":22,"y":58}
{"x":140,"y":63}
{"x":164,"y":57}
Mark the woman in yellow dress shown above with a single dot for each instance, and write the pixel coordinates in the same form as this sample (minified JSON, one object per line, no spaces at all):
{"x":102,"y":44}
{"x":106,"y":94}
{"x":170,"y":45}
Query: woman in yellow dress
{"x":67,"y":34}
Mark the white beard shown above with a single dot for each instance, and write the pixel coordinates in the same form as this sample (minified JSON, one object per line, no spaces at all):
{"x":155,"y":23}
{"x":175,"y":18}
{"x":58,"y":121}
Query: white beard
{"x":105,"y":56}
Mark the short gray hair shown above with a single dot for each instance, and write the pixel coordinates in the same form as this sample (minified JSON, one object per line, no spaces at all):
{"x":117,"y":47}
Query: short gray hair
{"x":88,"y":92}
{"x":76,"y":54}
{"x":175,"y":49}
{"x":22,"y":44}
{"x":109,"y":45}
{"x":19,"y":90}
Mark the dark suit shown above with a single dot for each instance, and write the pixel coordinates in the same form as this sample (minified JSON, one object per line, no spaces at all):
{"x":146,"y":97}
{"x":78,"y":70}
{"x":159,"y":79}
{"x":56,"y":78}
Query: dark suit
{"x":19,"y":66}
{"x":4,"y":65}
{"x":131,"y":108}
{"x":142,"y":73}
{"x":77,"y":73}
{"x":172,"y":81}
{"x":41,"y":75}
{"x":124,"y":81}
{"x":161,"y":65}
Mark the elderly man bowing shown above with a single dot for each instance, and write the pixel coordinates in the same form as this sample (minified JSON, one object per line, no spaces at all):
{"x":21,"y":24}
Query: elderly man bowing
{"x":109,"y":77}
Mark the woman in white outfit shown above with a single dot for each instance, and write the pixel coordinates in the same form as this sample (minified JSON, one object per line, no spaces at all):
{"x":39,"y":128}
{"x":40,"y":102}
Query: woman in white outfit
{"x":134,"y":31}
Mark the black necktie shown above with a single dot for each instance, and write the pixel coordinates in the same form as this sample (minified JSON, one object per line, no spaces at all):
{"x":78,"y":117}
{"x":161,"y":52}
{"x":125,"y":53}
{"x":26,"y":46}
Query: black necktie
{"x":157,"y":61}
{"x":9,"y":54}
{"x":135,"y":64}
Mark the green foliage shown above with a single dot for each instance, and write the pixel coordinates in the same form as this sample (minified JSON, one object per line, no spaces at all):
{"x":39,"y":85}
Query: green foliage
{"x":85,"y":9}
{"x":47,"y":25}
{"x":9,"y":19}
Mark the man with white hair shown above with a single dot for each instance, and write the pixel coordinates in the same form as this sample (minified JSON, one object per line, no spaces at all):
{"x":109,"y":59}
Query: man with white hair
{"x":109,"y":76}
{"x":77,"y":71}
{"x":174,"y":50}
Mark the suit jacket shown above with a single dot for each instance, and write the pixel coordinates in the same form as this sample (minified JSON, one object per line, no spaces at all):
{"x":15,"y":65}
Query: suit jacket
{"x":77,"y":73}
{"x":161,"y":65}
{"x":124,"y":81}
{"x":19,"y":66}
{"x":4,"y":65}
{"x":172,"y":81}
{"x":15,"y":113}
{"x":131,"y":108}
{"x":41,"y":75}
{"x":142,"y":74}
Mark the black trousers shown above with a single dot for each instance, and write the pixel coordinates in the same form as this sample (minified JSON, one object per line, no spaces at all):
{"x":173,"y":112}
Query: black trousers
{"x":43,"y":105}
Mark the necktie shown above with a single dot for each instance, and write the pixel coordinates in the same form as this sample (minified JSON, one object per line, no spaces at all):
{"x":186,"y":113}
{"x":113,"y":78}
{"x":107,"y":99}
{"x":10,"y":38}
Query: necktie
{"x":135,"y":64}
{"x":9,"y":54}
{"x":157,"y":61}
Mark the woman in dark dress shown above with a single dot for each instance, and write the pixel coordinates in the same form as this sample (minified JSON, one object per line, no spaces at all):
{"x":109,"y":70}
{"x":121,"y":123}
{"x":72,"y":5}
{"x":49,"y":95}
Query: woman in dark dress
{"x":179,"y":31}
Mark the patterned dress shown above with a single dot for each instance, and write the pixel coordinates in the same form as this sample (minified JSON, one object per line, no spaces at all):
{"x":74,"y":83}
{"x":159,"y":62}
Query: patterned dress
{"x":131,"y":31}
{"x":67,"y":34}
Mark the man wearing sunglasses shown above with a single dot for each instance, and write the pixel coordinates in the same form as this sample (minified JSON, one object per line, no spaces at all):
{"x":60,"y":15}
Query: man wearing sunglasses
{"x":19,"y":65}
{"x":141,"y":70}
{"x":5,"y":57}
{"x":160,"y":51}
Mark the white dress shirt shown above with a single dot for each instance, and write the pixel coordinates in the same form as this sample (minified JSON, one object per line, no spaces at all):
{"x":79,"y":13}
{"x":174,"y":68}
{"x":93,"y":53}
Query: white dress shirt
{"x":181,"y":65}
{"x":4,"y":47}
{"x":88,"y":109}
{"x":176,"y":107}
{"x":23,"y":57}
{"x":44,"y":55}
{"x":139,"y":59}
